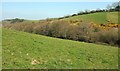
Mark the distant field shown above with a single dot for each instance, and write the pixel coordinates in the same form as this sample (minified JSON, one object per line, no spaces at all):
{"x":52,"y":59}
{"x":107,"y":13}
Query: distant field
{"x":113,"y":17}
{"x":25,"y":50}
{"x":98,"y":18}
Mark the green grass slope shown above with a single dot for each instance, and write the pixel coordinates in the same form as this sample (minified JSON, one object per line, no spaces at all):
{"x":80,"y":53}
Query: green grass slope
{"x":25,"y":50}
{"x":0,"y":48}
{"x":98,"y":18}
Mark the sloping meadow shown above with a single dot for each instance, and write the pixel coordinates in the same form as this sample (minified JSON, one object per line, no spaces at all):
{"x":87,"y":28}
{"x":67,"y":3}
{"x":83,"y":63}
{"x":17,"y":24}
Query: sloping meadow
{"x":22,"y":50}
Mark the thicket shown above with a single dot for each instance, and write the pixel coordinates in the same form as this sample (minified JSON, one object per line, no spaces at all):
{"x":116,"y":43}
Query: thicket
{"x":79,"y":31}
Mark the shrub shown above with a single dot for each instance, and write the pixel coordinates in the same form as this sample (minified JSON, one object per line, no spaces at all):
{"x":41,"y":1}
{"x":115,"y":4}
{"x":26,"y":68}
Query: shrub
{"x":73,"y":29}
{"x":108,"y":36}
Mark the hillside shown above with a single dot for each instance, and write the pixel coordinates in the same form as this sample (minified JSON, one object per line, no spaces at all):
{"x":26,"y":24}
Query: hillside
{"x":98,"y":18}
{"x":0,"y":48}
{"x":25,"y":50}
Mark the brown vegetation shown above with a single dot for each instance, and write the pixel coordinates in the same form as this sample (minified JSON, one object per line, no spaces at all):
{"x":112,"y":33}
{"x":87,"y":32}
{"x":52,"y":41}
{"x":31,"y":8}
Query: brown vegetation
{"x":73,"y":30}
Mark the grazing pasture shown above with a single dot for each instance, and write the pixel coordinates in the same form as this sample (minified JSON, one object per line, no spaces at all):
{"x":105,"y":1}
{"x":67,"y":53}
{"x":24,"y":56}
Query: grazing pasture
{"x":98,"y":18}
{"x":21,"y":50}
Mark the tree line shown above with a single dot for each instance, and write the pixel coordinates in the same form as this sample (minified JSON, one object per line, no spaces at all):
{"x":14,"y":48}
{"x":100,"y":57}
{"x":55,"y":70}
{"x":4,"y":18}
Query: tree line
{"x":110,"y":8}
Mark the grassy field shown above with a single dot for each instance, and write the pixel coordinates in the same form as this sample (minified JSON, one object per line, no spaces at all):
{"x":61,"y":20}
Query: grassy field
{"x":98,"y":18}
{"x":0,"y":48}
{"x":25,"y":50}
{"x":113,"y":17}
